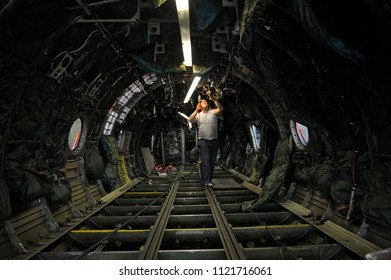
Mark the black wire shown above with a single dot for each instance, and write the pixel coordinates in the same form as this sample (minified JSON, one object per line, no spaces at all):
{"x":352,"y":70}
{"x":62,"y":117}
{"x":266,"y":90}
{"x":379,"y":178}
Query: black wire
{"x":128,"y":221}
{"x":263,"y":223}
{"x":121,"y":225}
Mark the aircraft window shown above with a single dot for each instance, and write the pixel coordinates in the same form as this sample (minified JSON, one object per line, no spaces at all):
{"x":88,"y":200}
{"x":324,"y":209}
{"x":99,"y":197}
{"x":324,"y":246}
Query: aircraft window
{"x":110,"y":123}
{"x":136,"y":86}
{"x":149,"y":78}
{"x":129,"y":92}
{"x":123,"y":115}
{"x":123,"y":100}
{"x":121,"y":139}
{"x":300,"y":134}
{"x":112,"y":117}
{"x":74,"y":134}
{"x":109,"y":126}
{"x":256,"y":134}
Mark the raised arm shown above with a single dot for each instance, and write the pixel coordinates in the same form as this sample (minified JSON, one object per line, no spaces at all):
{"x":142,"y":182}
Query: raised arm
{"x":193,"y":116}
{"x":219,"y":108}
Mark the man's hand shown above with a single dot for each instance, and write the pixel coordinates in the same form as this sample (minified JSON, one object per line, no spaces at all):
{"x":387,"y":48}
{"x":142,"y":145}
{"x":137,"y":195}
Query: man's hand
{"x":210,"y":96}
{"x":199,"y":107}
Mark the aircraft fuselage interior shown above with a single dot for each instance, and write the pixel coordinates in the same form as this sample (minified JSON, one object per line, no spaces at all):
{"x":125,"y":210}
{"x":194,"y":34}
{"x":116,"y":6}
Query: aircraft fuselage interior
{"x":99,"y":160}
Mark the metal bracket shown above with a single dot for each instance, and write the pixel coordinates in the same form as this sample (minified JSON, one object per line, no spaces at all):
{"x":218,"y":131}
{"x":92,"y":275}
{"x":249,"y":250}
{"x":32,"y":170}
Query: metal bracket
{"x":91,"y":201}
{"x":218,"y":45}
{"x":16,"y":243}
{"x":153,"y":29}
{"x":53,"y":226}
{"x":75,"y":212}
{"x":307,"y":199}
{"x":291,"y":189}
{"x":328,"y":213}
{"x":60,"y":69}
{"x":159,"y":49}
{"x":223,"y":30}
{"x":141,"y":4}
{"x":101,"y":188}
{"x":363,"y":229}
{"x":94,"y":88}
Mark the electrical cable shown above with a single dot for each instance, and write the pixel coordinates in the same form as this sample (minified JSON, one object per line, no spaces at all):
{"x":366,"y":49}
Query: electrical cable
{"x":92,"y":247}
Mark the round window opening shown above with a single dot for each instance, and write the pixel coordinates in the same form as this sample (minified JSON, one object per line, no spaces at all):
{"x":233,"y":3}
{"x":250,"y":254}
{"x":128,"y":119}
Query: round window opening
{"x":75,"y":134}
{"x":300,"y":134}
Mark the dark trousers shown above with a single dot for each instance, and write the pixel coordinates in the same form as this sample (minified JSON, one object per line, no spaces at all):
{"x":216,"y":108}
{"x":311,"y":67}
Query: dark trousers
{"x":208,"y":154}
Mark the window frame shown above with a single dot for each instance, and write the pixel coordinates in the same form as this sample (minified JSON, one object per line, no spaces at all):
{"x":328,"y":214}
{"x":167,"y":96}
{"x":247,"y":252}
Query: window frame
{"x":253,"y":137}
{"x":297,"y":138}
{"x":82,"y":137}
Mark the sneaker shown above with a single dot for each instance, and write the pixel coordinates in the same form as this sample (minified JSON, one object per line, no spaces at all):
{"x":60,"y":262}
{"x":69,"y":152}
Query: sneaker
{"x":209,"y":185}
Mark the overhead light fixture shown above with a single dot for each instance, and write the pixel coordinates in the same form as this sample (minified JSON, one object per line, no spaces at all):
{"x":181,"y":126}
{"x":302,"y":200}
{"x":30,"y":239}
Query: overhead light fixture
{"x":183,"y":115}
{"x":182,"y":7}
{"x":194,"y":84}
{"x":187,"y":118}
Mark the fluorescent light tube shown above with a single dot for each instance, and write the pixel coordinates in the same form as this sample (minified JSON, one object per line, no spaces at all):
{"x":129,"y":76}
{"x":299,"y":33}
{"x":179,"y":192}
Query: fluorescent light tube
{"x":182,"y":7}
{"x":192,"y":88}
{"x":183,"y":115}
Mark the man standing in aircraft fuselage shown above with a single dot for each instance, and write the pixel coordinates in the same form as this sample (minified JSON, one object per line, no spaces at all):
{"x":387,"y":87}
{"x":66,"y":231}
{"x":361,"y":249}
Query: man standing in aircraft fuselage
{"x":207,"y":136}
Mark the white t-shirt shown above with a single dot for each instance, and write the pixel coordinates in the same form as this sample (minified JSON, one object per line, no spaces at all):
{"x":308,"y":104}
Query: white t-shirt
{"x":207,"y":125}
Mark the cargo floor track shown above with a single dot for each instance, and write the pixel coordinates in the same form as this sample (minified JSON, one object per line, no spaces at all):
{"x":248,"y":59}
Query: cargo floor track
{"x":173,"y":217}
